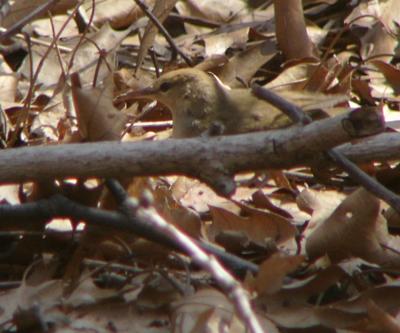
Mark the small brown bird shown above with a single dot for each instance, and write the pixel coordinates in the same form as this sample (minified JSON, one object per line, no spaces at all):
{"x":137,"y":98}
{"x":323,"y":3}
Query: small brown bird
{"x":199,"y":101}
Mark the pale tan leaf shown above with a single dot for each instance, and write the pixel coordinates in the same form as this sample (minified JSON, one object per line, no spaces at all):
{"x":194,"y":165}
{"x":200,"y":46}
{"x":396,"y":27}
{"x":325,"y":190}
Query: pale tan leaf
{"x":161,"y":10}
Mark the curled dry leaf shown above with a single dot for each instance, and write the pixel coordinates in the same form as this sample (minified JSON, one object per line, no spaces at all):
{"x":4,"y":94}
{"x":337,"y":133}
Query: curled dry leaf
{"x":355,"y":229}
{"x":289,"y":307}
{"x":261,"y":200}
{"x":258,"y":225}
{"x":167,"y":204}
{"x":391,"y":77}
{"x":180,"y":216}
{"x":320,"y":203}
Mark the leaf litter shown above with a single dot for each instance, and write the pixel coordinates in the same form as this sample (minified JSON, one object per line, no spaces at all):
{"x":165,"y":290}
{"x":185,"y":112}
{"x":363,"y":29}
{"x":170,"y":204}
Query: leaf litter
{"x":327,"y":250}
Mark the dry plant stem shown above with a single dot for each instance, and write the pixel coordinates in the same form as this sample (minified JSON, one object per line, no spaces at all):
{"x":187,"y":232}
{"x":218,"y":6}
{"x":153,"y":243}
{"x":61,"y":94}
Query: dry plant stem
{"x":383,"y":147}
{"x":369,"y":183}
{"x":225,"y":280}
{"x":22,"y":115}
{"x":164,"y":31}
{"x":28,"y":100}
{"x":213,"y":159}
{"x":209,"y":263}
{"x":155,"y":62}
{"x":41,"y":43}
{"x":80,"y":41}
{"x":44,"y":210}
{"x":57,"y":47}
{"x":14,"y":29}
{"x":195,"y":20}
{"x":365,"y":180}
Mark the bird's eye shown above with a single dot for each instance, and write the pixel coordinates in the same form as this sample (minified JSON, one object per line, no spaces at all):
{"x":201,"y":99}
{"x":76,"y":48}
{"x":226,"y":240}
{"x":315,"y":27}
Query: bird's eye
{"x":165,"y":86}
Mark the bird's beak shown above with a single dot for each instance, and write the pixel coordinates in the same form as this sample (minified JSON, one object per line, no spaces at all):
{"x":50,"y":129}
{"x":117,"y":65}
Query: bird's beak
{"x":145,"y":93}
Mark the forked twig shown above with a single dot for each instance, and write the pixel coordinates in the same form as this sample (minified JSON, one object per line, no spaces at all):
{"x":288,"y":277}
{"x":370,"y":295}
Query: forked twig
{"x":297,"y":114}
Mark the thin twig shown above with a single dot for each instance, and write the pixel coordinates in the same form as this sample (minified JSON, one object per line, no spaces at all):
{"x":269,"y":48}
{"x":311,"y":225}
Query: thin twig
{"x":82,"y":37}
{"x":297,"y":114}
{"x":58,"y":206}
{"x":18,"y":25}
{"x":224,"y":279}
{"x":195,"y":20}
{"x":27,"y":101}
{"x":293,"y":112}
{"x":35,"y":41}
{"x":56,"y":46}
{"x":164,"y":31}
{"x":155,"y":62}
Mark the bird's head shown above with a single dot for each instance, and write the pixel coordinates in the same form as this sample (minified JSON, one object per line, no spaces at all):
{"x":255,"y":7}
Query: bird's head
{"x":193,"y":96}
{"x":179,"y":87}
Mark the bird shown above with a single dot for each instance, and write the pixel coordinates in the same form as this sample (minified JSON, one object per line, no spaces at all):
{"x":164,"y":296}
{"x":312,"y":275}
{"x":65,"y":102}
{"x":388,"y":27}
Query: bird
{"x":201,"y":104}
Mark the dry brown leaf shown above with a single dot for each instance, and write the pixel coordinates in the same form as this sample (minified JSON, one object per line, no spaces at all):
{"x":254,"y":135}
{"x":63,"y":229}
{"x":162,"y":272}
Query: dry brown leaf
{"x":8,"y":87}
{"x":320,"y":203}
{"x":43,"y":27}
{"x":258,"y":225}
{"x":383,"y":321}
{"x":195,"y":194}
{"x":353,"y":313}
{"x":355,"y":229}
{"x":208,"y":310}
{"x":379,"y":44}
{"x":391,"y":75}
{"x":261,"y":200}
{"x":46,"y":123}
{"x":21,"y":8}
{"x":289,"y":306}
{"x":272,"y":271}
{"x":217,"y":44}
{"x":244,"y":65}
{"x":120,"y":13}
{"x":189,"y":312}
{"x":212,"y":10}
{"x":367,"y":12}
{"x":167,"y":204}
{"x":98,"y":119}
{"x":50,"y":71}
{"x":380,"y":17}
{"x":97,"y":47}
{"x":118,"y":316}
{"x":183,"y":218}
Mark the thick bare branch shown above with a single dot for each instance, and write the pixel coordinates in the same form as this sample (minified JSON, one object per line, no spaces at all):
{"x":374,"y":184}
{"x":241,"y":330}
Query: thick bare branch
{"x":209,"y":159}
